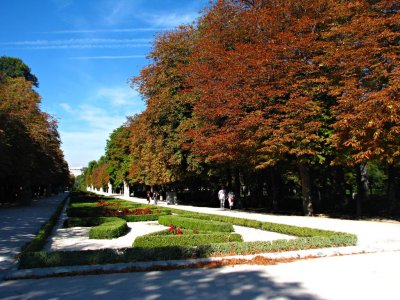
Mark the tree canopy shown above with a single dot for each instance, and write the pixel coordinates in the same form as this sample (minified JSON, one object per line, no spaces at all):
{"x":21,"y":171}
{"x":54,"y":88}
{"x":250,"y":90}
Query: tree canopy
{"x":31,"y":160}
{"x":271,"y":97}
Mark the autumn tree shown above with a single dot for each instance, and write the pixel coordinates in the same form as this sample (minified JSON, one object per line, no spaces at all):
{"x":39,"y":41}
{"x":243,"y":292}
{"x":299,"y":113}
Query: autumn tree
{"x":159,"y":135}
{"x":31,"y":160}
{"x":117,"y":155}
{"x":363,"y":53}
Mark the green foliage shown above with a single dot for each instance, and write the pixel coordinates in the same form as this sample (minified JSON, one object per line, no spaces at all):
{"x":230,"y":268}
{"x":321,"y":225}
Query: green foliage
{"x":15,"y":67}
{"x":111,"y":228}
{"x":190,"y":223}
{"x":103,"y":227}
{"x":106,"y":256}
{"x":79,"y":183}
{"x":141,"y":218}
{"x":185,"y":239}
{"x":309,"y":238}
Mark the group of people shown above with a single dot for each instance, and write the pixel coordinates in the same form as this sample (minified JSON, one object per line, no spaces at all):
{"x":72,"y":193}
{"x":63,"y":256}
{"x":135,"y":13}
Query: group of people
{"x":223,"y":196}
{"x":153,"y":195}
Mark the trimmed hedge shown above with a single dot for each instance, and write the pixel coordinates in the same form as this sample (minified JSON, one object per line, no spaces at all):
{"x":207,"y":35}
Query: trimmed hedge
{"x":184,"y":231}
{"x":105,"y":227}
{"x":186,"y":240}
{"x":191,"y":223}
{"x":316,"y":238}
{"x":111,"y":228}
{"x":108,"y":256}
{"x":141,"y":218}
{"x":268,"y":226}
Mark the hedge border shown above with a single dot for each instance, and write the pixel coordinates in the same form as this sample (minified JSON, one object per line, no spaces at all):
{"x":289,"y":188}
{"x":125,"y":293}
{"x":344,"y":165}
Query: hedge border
{"x":191,"y":223}
{"x":110,"y":228}
{"x":37,"y":259}
{"x":186,"y":240}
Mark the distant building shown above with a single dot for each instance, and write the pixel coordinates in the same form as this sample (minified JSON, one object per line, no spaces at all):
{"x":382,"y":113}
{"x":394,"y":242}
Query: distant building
{"x":76,"y":171}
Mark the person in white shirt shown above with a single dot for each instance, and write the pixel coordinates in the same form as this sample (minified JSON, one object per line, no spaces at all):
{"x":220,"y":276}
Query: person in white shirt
{"x":222,"y":197}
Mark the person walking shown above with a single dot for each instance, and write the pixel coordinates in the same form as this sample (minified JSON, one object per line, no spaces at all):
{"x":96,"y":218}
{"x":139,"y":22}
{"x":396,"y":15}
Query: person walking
{"x":148,"y":196}
{"x":231,"y":197}
{"x":222,"y":197}
{"x":155,"y":197}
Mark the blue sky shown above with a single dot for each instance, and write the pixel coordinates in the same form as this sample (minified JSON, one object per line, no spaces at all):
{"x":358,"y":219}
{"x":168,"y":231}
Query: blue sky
{"x":84,"y":52}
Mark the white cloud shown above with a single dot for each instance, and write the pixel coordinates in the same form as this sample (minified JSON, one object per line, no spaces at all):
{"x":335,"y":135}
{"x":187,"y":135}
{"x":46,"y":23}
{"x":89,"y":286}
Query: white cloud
{"x":116,"y":30}
{"x":66,"y":107}
{"x":78,"y":43}
{"x":119,"y":10}
{"x":170,"y":20}
{"x":107,"y":57}
{"x":81,"y":147}
{"x":117,"y":96}
{"x":98,"y":117}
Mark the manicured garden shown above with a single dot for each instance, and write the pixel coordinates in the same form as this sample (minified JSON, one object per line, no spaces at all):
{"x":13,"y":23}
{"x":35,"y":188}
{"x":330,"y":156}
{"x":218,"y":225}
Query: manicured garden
{"x":189,"y":235}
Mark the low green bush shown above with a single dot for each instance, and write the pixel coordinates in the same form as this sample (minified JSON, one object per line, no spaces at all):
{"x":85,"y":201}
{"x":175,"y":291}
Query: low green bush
{"x":191,"y":223}
{"x":185,"y":239}
{"x":184,"y":231}
{"x":103,"y":227}
{"x":268,"y":226}
{"x":87,"y":222}
{"x":107,"y":256}
{"x":85,"y":212}
{"x":309,"y":238}
{"x":111,"y":228}
{"x":141,"y":218}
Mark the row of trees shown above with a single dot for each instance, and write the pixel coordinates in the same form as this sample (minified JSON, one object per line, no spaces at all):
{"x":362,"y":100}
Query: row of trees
{"x":31,"y":161}
{"x":269,"y":98}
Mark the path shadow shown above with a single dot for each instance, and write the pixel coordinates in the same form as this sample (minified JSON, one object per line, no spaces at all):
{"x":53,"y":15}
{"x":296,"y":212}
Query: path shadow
{"x":225,"y":283}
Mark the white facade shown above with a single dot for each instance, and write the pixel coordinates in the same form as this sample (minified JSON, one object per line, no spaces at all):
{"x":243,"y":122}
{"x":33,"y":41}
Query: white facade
{"x":76,"y":171}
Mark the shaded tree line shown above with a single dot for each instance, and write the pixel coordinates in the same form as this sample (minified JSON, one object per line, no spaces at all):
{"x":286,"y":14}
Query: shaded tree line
{"x":31,"y":161}
{"x":294,"y":105}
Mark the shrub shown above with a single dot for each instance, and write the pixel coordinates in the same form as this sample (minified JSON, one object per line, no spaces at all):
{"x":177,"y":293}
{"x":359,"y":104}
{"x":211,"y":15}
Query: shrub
{"x":185,"y":239}
{"x":105,"y":228}
{"x":141,"y":218}
{"x":106,"y":256}
{"x":109,"y":229}
{"x":190,"y":223}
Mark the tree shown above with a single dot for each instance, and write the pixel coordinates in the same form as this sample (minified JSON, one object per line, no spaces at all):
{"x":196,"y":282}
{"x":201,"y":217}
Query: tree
{"x":363,"y":56}
{"x":117,"y":155}
{"x":14,"y":67}
{"x":31,"y":160}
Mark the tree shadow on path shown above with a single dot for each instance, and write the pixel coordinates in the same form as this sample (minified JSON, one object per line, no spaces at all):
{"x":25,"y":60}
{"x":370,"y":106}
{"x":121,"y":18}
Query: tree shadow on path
{"x":242,"y":282}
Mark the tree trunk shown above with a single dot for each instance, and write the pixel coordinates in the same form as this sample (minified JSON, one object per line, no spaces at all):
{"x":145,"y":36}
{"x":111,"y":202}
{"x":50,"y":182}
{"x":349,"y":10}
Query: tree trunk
{"x":306,"y":189}
{"x":340,"y":186}
{"x":362,"y":187}
{"x":275,"y":188}
{"x":26,"y":193}
{"x":392,"y":187}
{"x":235,"y":182}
